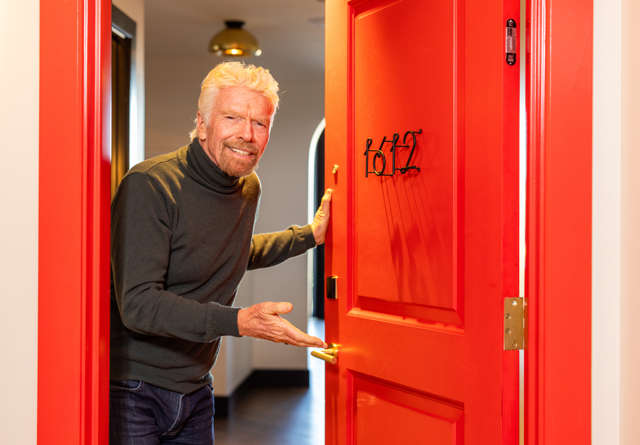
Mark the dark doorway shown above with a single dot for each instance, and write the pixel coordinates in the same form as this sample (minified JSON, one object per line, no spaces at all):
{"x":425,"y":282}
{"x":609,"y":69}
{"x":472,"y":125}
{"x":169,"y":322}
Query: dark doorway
{"x":318,"y":253}
{"x":123,"y":32}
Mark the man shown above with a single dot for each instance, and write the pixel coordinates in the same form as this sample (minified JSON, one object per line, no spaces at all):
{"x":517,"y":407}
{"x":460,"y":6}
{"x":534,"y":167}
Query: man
{"x":182,"y":239}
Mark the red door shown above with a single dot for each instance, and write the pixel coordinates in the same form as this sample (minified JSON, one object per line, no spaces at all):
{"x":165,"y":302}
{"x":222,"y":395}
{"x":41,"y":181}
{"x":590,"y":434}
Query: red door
{"x":422,"y":119}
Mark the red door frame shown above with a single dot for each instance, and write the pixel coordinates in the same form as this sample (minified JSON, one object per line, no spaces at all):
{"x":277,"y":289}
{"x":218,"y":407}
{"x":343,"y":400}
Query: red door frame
{"x":559,"y":197}
{"x":73,"y":248}
{"x":73,"y":277}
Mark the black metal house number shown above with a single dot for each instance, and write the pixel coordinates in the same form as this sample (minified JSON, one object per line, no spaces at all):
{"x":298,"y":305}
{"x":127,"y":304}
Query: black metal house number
{"x":377,"y":163}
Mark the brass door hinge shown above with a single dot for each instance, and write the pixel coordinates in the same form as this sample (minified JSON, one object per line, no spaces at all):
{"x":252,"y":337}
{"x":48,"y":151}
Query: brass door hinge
{"x":515,"y":324}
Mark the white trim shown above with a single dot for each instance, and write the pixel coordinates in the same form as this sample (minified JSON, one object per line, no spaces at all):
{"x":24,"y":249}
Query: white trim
{"x":606,"y":260}
{"x":19,"y":125}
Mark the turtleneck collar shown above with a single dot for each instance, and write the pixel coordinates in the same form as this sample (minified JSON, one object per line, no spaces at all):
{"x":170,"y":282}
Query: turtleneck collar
{"x":206,"y":172}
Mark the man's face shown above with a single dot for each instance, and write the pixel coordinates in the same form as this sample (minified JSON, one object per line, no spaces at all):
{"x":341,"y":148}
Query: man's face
{"x":238,"y":129}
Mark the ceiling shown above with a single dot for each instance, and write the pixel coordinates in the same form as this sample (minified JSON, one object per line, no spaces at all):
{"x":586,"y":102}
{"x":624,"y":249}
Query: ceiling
{"x":290,"y":32}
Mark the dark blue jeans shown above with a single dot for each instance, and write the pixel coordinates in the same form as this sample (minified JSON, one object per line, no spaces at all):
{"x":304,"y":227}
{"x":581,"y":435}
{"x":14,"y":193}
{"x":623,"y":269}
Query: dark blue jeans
{"x":144,"y":414}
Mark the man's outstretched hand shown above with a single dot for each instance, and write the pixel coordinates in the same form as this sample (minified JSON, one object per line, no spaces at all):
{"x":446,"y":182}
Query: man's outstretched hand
{"x":263,"y":320}
{"x":321,"y":219}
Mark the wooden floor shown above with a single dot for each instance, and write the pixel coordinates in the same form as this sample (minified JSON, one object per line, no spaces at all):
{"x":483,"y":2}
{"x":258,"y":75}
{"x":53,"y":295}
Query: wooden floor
{"x":282,"y":416}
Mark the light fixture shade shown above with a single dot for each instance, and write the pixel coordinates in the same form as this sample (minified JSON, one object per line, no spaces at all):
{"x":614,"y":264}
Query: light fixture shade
{"x":234,"y":41}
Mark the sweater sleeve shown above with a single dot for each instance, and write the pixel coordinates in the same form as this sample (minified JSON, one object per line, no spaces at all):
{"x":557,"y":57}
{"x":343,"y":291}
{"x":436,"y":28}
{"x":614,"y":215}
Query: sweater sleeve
{"x":269,"y":249}
{"x":140,"y":248}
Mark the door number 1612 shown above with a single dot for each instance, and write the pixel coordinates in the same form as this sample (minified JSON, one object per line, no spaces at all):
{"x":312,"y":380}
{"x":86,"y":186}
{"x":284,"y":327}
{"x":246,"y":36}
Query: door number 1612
{"x":376,"y":160}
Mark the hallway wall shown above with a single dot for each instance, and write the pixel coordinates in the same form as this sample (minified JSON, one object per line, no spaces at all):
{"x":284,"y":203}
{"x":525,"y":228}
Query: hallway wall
{"x":19,"y":224}
{"x":283,"y":172}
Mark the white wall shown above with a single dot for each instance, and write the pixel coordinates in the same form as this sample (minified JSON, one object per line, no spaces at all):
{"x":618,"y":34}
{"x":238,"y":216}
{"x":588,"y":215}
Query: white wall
{"x":606,"y":224}
{"x":630,"y":273}
{"x":235,"y":361}
{"x":135,"y":10}
{"x":616,"y":235}
{"x":19,"y":49}
{"x":173,"y":85}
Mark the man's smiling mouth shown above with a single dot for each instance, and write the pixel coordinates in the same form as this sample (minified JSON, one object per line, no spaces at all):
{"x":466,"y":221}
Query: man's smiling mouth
{"x":240,"y":151}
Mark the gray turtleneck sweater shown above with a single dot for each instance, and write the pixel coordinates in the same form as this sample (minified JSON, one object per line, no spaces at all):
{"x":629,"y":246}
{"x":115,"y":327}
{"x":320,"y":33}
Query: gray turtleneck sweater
{"x":181,"y":240}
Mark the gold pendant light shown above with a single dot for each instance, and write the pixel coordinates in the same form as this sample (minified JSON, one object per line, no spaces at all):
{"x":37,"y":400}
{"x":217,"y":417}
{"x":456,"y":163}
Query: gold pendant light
{"x":234,"y":41}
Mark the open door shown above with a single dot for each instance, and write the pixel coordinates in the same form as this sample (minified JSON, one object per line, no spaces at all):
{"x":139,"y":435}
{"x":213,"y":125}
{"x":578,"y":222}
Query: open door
{"x":422,"y":152}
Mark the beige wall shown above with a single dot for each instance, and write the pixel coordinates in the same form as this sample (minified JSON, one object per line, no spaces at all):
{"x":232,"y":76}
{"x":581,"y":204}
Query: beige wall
{"x":19,"y":46}
{"x":630,"y":378}
{"x":135,"y":10}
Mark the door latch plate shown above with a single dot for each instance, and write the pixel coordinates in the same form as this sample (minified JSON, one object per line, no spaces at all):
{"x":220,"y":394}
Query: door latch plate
{"x":332,"y":287}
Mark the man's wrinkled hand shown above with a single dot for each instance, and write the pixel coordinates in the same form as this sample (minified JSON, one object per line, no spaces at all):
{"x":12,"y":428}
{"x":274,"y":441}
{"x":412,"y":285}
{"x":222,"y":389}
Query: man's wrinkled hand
{"x":263,"y":320}
{"x":321,"y":218}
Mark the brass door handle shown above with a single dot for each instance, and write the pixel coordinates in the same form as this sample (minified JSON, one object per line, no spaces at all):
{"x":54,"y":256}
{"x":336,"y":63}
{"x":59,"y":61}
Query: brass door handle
{"x":329,"y":355}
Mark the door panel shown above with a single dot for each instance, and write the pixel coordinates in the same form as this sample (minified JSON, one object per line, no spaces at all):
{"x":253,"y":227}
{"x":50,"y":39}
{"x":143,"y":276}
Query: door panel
{"x":390,"y":94}
{"x":386,"y":413}
{"x":422,"y":122}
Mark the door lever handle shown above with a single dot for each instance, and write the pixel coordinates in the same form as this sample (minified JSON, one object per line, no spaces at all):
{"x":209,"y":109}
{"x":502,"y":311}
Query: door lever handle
{"x":329,"y":355}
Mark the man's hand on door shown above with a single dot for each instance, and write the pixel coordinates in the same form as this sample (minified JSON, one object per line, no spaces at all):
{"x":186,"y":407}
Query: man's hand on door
{"x":263,"y":320}
{"x":321,"y":218}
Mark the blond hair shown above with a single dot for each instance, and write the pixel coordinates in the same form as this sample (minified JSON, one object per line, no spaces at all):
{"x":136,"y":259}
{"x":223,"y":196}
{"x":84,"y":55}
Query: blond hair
{"x":229,"y":74}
